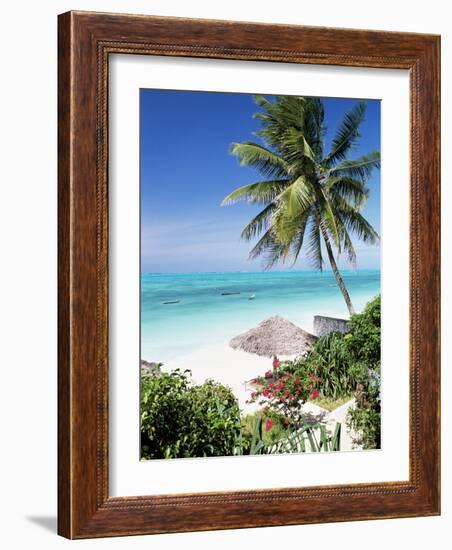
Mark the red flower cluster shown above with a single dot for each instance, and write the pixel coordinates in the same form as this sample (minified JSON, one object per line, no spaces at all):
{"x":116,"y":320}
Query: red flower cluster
{"x":283,"y":391}
{"x":315,"y":393}
{"x":268,"y":424}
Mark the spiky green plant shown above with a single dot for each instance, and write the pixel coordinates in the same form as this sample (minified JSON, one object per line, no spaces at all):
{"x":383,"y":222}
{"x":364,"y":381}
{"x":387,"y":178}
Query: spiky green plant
{"x":316,"y":435}
{"x":313,"y":438}
{"x":306,"y":195}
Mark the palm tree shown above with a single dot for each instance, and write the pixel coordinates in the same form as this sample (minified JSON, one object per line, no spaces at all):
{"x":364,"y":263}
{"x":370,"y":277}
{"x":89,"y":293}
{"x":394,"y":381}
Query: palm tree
{"x":307,"y":196}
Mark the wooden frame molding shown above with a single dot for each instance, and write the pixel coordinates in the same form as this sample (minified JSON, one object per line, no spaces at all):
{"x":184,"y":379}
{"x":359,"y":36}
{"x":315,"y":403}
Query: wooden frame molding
{"x":85,"y":42}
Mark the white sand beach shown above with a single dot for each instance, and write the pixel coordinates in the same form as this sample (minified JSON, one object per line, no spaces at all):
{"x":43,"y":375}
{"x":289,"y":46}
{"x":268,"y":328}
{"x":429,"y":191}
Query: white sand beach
{"x":235,"y":367}
{"x":223,"y":364}
{"x":220,"y":362}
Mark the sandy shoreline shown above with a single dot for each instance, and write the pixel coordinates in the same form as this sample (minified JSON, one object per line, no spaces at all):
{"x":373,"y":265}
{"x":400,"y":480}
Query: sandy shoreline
{"x":219,"y":362}
{"x":225,"y":365}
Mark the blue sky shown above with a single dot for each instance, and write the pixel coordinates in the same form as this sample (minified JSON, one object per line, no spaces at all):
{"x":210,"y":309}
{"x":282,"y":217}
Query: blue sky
{"x":187,"y":170}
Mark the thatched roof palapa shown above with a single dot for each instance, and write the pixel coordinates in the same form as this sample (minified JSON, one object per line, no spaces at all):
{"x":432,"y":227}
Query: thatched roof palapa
{"x":274,"y":336}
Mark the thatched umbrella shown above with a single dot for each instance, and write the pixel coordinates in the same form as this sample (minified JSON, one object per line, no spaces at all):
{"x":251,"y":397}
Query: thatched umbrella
{"x":275,"y":336}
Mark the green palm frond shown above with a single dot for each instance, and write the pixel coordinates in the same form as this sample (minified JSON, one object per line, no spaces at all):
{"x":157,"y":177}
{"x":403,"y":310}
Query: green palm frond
{"x":347,"y":244}
{"x":329,"y":218}
{"x":354,"y":221}
{"x":303,"y":115}
{"x":296,"y":146}
{"x":269,"y":248}
{"x":314,"y":245}
{"x":297,"y":241}
{"x":349,"y":248}
{"x":267,"y":162}
{"x":293,"y":205}
{"x":262,"y":102}
{"x":351,"y":190}
{"x":260,"y":192}
{"x":314,"y":128}
{"x":285,"y":227}
{"x":297,"y":197}
{"x":360,"y":168}
{"x":260,"y":222}
{"x":360,"y":227}
{"x":347,"y":134}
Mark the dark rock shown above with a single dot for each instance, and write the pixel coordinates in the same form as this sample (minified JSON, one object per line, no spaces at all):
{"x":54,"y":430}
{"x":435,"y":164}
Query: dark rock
{"x":150,"y":368}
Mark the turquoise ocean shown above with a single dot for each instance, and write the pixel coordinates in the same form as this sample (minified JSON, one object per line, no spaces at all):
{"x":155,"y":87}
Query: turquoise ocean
{"x":205,"y":317}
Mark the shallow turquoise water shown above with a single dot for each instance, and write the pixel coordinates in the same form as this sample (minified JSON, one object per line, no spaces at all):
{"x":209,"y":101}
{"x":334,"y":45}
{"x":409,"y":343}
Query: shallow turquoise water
{"x":205,"y":317}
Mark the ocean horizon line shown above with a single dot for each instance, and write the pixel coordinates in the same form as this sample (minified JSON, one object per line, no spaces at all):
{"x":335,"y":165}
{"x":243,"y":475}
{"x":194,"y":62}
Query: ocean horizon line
{"x":311,"y":271}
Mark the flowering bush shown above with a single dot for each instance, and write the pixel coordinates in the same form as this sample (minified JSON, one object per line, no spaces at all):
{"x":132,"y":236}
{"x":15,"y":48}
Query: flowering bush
{"x":283,"y":391}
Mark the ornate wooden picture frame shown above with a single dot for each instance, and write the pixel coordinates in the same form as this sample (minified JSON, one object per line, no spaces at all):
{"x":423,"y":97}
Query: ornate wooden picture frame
{"x":86,"y":40}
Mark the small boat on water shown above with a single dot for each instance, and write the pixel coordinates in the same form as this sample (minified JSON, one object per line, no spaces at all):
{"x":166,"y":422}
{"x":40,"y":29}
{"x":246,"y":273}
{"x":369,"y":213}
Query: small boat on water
{"x":171,"y":302}
{"x":251,"y":297}
{"x":229,"y":293}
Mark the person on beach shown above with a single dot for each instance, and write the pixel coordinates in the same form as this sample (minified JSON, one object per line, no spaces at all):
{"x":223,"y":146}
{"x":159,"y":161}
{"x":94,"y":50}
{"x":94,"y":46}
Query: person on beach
{"x":275,"y":362}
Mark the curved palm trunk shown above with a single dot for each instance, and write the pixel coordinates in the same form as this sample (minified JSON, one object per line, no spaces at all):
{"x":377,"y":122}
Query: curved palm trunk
{"x":335,"y":269}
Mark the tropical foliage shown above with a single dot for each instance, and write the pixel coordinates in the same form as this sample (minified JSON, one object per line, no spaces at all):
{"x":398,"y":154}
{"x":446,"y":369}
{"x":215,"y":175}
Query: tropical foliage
{"x":309,"y":196}
{"x":314,"y":438}
{"x":261,"y":435}
{"x":349,"y":364}
{"x":339,"y":366}
{"x":265,"y":432}
{"x":180,"y":419}
{"x":331,"y":361}
{"x":364,"y":348}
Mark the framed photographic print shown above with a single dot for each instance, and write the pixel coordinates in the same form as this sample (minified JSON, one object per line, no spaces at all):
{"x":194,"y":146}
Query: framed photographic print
{"x":248,"y":275}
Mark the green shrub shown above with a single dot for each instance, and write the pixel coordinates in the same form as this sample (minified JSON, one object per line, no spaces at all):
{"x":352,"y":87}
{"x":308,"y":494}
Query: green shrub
{"x":365,"y":420}
{"x":363,"y":347}
{"x":180,"y":419}
{"x":329,"y":361}
{"x":343,"y":361}
{"x":363,"y":341}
